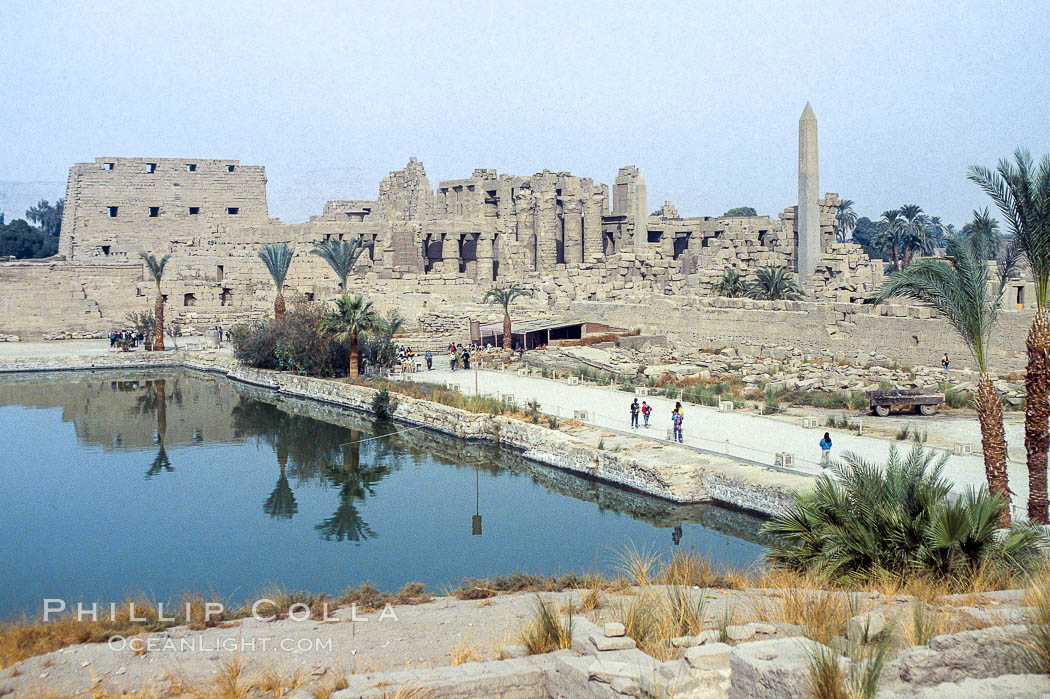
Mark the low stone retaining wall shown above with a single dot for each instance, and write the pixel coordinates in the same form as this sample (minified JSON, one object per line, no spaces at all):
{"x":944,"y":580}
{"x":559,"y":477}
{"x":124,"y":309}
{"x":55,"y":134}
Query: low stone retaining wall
{"x":536,"y":442}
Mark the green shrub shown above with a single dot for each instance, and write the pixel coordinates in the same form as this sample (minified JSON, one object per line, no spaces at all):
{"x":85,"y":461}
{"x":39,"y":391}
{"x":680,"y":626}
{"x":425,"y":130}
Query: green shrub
{"x":295,"y":343}
{"x":870,"y":521}
{"x":382,"y":405}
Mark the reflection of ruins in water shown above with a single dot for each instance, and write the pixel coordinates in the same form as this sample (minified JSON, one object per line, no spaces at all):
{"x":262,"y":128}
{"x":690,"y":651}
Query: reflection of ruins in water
{"x":313,"y":443}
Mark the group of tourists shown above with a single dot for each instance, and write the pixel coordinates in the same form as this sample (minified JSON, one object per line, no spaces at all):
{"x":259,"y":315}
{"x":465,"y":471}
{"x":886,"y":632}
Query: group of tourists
{"x":644,"y":410}
{"x":120,"y":336}
{"x":459,"y":354}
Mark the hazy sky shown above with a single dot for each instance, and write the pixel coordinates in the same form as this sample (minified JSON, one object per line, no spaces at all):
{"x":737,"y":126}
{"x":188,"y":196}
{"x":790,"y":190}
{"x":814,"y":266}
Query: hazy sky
{"x":703,"y":97}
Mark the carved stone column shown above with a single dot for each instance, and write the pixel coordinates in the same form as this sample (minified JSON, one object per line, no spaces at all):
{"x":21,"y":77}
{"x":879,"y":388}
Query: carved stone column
{"x":548,"y":231}
{"x":592,"y":225}
{"x":573,"y":212}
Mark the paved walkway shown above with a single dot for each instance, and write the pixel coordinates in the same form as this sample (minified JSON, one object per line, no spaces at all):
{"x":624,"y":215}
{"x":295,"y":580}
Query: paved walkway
{"x":744,"y":436}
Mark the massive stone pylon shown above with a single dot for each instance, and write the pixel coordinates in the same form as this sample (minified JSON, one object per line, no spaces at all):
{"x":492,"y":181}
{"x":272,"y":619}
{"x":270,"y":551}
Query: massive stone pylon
{"x":808,"y":219}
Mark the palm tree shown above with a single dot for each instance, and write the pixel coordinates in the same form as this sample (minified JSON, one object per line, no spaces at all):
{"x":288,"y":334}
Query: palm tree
{"x":504,"y":296}
{"x":731,"y":285}
{"x":353,"y":315}
{"x":1021,"y":191}
{"x":774,"y":284}
{"x":959,"y":291}
{"x":156,"y":271}
{"x":913,"y":231}
{"x":986,"y":228}
{"x":871,"y":520}
{"x":341,"y":256}
{"x":277,"y":257}
{"x":890,"y":235}
{"x":845,"y":220}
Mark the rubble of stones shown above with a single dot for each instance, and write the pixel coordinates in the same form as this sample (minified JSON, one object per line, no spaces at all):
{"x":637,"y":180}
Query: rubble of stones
{"x":781,"y":369}
{"x":982,"y":656}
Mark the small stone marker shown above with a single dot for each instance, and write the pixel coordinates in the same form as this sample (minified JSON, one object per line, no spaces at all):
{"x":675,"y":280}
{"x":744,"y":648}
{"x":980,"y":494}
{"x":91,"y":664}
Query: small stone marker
{"x":614,"y":628}
{"x":865,"y":627}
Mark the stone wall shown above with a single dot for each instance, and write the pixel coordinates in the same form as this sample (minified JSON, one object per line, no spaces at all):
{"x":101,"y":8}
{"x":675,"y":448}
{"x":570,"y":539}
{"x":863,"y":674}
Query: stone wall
{"x":116,"y":207}
{"x":853,"y":332}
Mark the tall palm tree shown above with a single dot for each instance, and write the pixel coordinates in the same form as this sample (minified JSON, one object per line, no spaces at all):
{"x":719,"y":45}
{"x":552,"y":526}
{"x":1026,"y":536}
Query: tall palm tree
{"x":156,"y":271}
{"x":913,"y":228}
{"x":845,"y":220}
{"x":1021,"y":191}
{"x":959,"y":291}
{"x":504,"y":296}
{"x":277,"y":257}
{"x":986,"y":228}
{"x":353,"y":315}
{"x":889,"y":237}
{"x":341,"y":256}
{"x":774,"y":284}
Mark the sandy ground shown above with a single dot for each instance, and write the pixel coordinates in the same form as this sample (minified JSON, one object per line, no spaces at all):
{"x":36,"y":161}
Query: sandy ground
{"x":748,"y":436}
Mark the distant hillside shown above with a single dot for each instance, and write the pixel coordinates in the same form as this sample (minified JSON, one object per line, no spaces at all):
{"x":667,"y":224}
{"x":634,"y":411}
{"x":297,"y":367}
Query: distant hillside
{"x":16,"y":197}
{"x":297,"y":197}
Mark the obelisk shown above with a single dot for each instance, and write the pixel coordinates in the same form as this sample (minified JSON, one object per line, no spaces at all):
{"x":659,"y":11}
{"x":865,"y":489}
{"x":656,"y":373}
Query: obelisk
{"x":808,"y":218}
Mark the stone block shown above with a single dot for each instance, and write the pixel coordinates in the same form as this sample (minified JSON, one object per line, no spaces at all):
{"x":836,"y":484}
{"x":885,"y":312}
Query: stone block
{"x":712,"y":656}
{"x":777,"y":669}
{"x":603,"y":642}
{"x":866,"y":627}
{"x":614,"y":628}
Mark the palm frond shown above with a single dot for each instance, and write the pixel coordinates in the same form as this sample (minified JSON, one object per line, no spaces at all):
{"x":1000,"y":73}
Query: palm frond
{"x":277,"y":257}
{"x":341,"y":256}
{"x":155,"y":266}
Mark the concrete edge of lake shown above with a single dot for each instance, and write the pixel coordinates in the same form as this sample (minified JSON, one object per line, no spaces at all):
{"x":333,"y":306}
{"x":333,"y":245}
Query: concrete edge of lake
{"x":672,"y":473}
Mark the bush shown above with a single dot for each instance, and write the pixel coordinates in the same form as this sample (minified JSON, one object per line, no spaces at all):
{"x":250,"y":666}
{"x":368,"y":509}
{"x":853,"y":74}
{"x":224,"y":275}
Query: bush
{"x":872,"y":521}
{"x":382,"y":405}
{"x":295,"y":343}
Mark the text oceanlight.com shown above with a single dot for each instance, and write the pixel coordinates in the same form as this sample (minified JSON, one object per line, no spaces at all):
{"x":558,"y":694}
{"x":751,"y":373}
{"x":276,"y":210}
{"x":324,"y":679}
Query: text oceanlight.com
{"x":199,"y":644}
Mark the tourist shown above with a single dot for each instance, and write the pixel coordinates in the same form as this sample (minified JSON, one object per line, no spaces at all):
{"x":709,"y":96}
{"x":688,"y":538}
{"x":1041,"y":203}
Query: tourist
{"x":112,"y":338}
{"x":429,"y":356}
{"x":646,"y":411}
{"x":453,"y":359}
{"x":219,"y":329}
{"x":635,"y":409}
{"x":677,"y":418}
{"x":825,"y":450}
{"x":944,"y":361}
{"x":466,"y":358}
{"x":139,"y":339}
{"x":676,"y":534}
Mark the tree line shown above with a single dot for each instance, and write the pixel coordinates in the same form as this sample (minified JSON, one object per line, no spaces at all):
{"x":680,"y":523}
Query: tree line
{"x":35,"y":238}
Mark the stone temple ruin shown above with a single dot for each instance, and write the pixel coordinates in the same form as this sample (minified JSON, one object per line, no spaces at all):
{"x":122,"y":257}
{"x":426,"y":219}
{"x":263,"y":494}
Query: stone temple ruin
{"x":558,"y":233}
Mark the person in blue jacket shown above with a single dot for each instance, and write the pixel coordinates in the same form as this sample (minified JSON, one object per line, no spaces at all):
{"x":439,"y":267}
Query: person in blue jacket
{"x":825,"y":450}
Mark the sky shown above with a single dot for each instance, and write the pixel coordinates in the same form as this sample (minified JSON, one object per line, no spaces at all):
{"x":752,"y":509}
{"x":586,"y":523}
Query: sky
{"x":704,"y":97}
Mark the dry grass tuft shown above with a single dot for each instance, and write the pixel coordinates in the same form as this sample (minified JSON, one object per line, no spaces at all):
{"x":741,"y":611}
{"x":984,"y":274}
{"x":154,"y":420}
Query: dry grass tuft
{"x":326,"y":690}
{"x":1037,"y":645}
{"x":546,"y":632}
{"x":592,"y":599}
{"x":652,"y":619}
{"x":636,"y":564}
{"x":465,"y":652}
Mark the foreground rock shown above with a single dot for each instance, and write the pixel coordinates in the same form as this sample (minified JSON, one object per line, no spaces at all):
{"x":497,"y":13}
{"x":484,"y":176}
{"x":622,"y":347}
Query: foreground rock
{"x":418,"y":648}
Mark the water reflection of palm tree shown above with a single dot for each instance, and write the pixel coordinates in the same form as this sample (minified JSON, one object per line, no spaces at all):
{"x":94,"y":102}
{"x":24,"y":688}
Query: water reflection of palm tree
{"x":355,"y":483}
{"x":159,"y":397}
{"x":160,"y":463}
{"x":281,"y":502}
